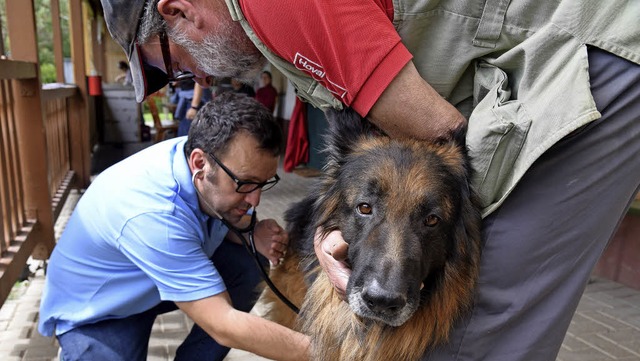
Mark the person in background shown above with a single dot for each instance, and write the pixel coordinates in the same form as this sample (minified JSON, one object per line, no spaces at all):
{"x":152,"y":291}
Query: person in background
{"x":201,"y":95}
{"x":243,"y":88}
{"x":548,"y":93}
{"x":188,"y":96}
{"x":267,"y":93}
{"x":148,"y":237}
{"x":124,"y":78}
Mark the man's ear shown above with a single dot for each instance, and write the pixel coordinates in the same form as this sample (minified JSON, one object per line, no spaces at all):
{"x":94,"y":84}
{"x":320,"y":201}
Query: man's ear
{"x":180,"y":14}
{"x":197,"y":160}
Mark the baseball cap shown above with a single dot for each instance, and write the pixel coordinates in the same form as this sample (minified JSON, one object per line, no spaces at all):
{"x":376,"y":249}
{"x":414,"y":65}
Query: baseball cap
{"x":123,"y":20}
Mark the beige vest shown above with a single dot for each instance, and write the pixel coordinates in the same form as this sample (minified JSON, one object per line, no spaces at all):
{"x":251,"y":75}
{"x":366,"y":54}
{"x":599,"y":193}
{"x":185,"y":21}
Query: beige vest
{"x":517,"y":69}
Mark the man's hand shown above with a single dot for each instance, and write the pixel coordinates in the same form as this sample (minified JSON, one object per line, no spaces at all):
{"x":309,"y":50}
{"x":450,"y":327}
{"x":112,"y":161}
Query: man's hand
{"x":191,"y":113}
{"x":271,"y":240}
{"x":332,"y":252}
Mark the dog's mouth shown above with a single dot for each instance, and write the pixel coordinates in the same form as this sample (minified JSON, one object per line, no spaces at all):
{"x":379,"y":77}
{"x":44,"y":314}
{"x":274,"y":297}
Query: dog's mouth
{"x":376,"y":303}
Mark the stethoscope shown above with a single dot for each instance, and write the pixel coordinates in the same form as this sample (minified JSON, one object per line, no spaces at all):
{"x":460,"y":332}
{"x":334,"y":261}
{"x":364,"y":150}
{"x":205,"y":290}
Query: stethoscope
{"x":249,"y":245}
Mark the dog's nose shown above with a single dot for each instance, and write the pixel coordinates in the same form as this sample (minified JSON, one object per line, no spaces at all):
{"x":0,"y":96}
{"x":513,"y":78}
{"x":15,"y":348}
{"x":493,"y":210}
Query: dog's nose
{"x":379,"y":300}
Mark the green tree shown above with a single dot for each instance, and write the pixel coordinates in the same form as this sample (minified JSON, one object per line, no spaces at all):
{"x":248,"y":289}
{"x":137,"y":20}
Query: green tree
{"x":44,"y":34}
{"x":4,"y":48}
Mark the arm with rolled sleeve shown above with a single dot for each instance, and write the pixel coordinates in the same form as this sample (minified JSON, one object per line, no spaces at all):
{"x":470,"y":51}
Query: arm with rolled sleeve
{"x":353,"y":49}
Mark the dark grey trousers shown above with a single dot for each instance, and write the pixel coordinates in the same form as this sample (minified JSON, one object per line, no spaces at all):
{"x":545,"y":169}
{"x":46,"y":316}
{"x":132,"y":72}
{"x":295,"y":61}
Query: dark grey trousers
{"x":544,"y":241}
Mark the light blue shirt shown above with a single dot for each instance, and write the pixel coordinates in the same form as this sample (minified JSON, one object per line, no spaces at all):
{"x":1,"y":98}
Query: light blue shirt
{"x":136,"y":237}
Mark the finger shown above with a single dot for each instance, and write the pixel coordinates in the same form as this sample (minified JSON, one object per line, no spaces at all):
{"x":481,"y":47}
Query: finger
{"x":276,"y":257}
{"x":279,"y":247}
{"x":335,"y":246}
{"x":277,"y":262}
{"x":331,"y":251}
{"x":280,"y":238}
{"x":338,"y":274}
{"x":340,"y":251}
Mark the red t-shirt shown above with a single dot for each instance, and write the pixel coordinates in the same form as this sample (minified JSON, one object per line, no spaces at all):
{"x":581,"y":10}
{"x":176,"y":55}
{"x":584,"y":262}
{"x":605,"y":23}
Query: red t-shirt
{"x":267,"y":96}
{"x":351,"y":47}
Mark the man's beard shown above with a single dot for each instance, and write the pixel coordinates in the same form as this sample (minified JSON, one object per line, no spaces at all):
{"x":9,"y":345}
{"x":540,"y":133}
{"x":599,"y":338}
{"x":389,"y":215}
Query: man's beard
{"x":224,"y":53}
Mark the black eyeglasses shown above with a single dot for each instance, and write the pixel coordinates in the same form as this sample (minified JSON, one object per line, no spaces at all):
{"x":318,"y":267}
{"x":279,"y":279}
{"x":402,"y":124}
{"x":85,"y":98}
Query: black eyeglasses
{"x":166,"y":56}
{"x":246,"y":186}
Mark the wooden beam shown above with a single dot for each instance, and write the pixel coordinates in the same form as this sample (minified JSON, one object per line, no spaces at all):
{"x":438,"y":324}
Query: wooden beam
{"x":53,"y":91}
{"x":80,"y":148}
{"x":22,"y":30}
{"x":15,"y":69}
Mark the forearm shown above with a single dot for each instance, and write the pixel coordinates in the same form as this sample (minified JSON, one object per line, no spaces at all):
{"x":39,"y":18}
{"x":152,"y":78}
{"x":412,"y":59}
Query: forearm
{"x":241,"y":330}
{"x":410,"y":108}
{"x":268,"y":339}
{"x":197,"y":96}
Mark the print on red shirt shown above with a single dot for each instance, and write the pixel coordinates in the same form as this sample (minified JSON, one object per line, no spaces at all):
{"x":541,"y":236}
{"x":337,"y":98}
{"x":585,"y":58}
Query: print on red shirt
{"x":318,"y":73}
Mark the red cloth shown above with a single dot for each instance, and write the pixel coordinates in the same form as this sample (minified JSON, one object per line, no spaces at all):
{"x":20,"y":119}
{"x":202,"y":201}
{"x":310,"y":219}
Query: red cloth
{"x":350,"y":47}
{"x":297,"y":151}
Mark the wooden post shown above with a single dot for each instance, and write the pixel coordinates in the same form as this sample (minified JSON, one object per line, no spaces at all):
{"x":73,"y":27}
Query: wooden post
{"x":30,"y":125}
{"x":80,"y":148}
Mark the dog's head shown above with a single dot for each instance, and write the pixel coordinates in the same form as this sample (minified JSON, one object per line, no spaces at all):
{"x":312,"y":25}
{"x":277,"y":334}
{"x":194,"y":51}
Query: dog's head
{"x":404,"y":207}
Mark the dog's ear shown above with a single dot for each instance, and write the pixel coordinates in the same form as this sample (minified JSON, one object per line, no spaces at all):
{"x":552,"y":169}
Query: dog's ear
{"x":346,"y":130}
{"x":459,"y":136}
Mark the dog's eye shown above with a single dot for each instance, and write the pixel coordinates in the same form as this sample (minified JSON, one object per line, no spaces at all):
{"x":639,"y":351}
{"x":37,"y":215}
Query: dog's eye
{"x":431,"y":220}
{"x":364,"y":208}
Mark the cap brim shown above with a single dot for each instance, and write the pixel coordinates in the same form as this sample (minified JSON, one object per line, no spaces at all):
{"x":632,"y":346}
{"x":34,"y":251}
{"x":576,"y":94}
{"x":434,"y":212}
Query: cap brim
{"x":147,"y":79}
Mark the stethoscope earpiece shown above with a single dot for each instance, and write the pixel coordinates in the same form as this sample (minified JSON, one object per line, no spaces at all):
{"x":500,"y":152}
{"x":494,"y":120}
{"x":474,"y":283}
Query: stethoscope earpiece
{"x":195,"y":175}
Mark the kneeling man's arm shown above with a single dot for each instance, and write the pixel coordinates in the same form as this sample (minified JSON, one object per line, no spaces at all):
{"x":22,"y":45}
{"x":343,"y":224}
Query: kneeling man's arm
{"x":244,"y":331}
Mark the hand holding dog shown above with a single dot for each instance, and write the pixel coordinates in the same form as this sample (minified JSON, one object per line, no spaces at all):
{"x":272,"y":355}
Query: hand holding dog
{"x":271,"y":240}
{"x":332,"y":253}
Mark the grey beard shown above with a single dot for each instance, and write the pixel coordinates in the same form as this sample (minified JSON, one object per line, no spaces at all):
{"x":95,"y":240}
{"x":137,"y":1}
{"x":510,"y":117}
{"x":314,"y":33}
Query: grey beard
{"x":226,"y":53}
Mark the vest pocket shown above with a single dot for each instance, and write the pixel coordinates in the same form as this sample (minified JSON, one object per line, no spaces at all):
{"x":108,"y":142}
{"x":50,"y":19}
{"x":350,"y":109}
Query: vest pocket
{"x":498,"y":127}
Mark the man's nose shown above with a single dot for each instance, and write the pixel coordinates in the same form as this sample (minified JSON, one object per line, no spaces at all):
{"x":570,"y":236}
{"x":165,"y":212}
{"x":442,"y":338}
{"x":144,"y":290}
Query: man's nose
{"x":253,"y":198}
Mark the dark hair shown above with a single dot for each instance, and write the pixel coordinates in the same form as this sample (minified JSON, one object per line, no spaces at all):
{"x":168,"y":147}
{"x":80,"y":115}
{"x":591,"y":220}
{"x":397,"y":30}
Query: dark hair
{"x":268,"y":73}
{"x":122,"y":65}
{"x":219,"y":120}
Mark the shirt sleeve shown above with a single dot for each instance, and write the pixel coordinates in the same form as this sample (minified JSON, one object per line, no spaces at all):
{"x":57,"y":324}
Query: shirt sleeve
{"x":173,"y":253}
{"x":350,"y":47}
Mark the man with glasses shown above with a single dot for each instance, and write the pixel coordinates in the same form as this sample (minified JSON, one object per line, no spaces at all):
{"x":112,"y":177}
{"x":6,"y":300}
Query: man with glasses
{"x":150,"y":235}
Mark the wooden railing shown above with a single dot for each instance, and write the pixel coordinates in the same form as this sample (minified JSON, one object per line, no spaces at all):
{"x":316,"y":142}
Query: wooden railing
{"x":55,"y":104}
{"x":26,"y":228}
{"x":17,"y":227}
{"x":45,"y":134}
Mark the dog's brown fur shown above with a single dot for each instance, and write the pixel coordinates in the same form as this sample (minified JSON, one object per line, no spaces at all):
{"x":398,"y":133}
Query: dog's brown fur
{"x":410,"y":176}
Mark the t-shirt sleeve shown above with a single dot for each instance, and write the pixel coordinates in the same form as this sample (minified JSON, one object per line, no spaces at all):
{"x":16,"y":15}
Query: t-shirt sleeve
{"x":350,"y":47}
{"x":173,"y":254}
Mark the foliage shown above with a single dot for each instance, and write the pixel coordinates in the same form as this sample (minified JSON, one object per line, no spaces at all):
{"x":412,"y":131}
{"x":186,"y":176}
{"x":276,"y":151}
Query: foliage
{"x":44,"y":34}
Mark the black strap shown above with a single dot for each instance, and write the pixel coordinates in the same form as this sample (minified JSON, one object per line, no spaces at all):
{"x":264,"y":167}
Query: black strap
{"x":251,"y":248}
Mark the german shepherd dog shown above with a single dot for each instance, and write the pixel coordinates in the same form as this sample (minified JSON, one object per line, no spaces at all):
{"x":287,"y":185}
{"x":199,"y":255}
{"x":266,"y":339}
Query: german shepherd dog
{"x":412,"y":223}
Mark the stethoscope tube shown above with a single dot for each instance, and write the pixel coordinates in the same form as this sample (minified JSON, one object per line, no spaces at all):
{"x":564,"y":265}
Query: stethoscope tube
{"x":250,"y":245}
{"x":251,"y":248}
